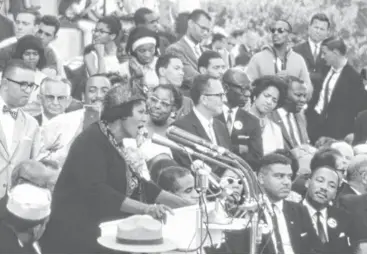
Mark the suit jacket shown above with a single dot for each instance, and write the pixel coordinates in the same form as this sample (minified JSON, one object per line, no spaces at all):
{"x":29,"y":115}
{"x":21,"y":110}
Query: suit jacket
{"x":338,"y":234}
{"x":302,"y":236}
{"x":302,"y":129}
{"x":6,"y":28}
{"x":360,"y":128}
{"x":192,"y":124}
{"x":26,"y":145}
{"x":182,"y":50}
{"x":249,"y":134}
{"x":356,"y":206}
{"x":346,"y":101}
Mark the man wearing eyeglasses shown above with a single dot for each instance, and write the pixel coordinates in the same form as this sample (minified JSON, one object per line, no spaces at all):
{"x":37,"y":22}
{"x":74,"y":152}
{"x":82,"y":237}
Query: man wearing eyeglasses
{"x":188,"y":48}
{"x":19,"y":132}
{"x":55,"y":98}
{"x":279,"y":58}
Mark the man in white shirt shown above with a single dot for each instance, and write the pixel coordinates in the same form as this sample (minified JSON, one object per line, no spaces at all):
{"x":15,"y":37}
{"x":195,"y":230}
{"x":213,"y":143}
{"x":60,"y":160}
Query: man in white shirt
{"x":55,"y":97}
{"x":331,"y":224}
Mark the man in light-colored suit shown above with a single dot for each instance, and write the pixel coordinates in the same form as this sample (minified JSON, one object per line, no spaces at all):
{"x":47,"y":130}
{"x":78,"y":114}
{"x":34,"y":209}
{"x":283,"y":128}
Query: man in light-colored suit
{"x":290,"y":117}
{"x":19,"y":132}
{"x":188,"y":48}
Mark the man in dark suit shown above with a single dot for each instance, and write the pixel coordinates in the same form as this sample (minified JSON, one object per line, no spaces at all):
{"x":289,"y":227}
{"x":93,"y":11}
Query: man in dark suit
{"x":290,"y":116}
{"x":331,"y":224}
{"x":188,"y":48}
{"x":208,"y":96}
{"x":341,"y":96}
{"x":6,"y":26}
{"x":244,"y":128}
{"x":290,"y":226}
{"x":360,"y":128}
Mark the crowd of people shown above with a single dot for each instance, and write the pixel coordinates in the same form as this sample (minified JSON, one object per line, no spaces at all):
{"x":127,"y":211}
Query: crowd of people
{"x":76,"y":147}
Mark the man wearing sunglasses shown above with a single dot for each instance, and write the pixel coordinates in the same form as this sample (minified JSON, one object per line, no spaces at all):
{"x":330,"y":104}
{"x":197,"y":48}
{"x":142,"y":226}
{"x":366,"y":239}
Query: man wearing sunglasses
{"x":279,"y":58}
{"x":19,"y":132}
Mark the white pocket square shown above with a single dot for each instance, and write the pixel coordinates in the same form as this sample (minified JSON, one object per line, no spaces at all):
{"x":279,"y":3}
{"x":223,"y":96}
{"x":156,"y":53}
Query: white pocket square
{"x":303,"y":234}
{"x":243,"y":137}
{"x":342,"y":235}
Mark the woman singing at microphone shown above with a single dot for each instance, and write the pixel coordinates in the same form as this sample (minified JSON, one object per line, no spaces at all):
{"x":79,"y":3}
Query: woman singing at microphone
{"x":100,"y":180}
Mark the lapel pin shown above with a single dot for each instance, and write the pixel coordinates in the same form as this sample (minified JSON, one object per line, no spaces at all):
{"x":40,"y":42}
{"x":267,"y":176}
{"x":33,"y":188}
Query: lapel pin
{"x":331,"y":222}
{"x":238,"y":125}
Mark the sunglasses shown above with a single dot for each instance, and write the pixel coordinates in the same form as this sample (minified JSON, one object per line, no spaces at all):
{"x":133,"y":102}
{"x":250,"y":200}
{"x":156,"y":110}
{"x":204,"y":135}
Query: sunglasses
{"x":24,"y":84}
{"x":231,"y":180}
{"x":279,"y":30}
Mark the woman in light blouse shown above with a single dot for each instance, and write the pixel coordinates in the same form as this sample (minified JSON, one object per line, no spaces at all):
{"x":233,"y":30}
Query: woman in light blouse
{"x":268,"y":94}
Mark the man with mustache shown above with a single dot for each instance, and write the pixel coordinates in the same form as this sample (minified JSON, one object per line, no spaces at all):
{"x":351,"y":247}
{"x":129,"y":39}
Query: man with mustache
{"x":331,"y":224}
{"x":290,"y":117}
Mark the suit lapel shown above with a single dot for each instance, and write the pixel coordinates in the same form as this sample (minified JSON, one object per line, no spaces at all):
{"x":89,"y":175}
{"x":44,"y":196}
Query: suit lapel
{"x":19,"y":129}
{"x":301,"y":125}
{"x":3,"y":145}
{"x":338,"y":89}
{"x":277,"y":119}
{"x":291,"y":218}
{"x":190,"y":53}
{"x":199,"y":128}
{"x":332,"y":229}
{"x":309,"y":54}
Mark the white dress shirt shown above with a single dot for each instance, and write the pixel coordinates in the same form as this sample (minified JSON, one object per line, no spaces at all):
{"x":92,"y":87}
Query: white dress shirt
{"x":207,"y":125}
{"x":7,"y":124}
{"x":323,"y":217}
{"x":283,"y":115}
{"x":314,"y":45}
{"x":320,"y":105}
{"x":195,"y":47}
{"x":233,"y":114}
{"x":283,"y":229}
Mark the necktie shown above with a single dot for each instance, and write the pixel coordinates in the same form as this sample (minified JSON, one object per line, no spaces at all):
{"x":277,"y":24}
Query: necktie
{"x":197,"y":50}
{"x":211,"y":132}
{"x":12,"y":113}
{"x":315,"y":53}
{"x":229,"y":121}
{"x":291,"y":130}
{"x":320,"y":228}
{"x":327,"y":91}
{"x":276,"y":231}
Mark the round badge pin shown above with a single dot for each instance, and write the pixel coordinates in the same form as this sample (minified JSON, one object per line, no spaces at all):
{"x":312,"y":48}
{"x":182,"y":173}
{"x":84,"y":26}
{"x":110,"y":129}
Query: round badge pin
{"x":332,"y":223}
{"x":238,"y":125}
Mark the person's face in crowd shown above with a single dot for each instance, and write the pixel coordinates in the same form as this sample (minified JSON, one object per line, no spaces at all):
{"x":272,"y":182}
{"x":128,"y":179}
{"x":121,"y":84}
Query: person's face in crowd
{"x":161,"y":106}
{"x":25,"y":24}
{"x":236,"y":96}
{"x":31,"y":58}
{"x":152,"y":21}
{"x":102,"y":34}
{"x":121,"y":53}
{"x":231,"y":43}
{"x":277,"y":181}
{"x":46,"y":34}
{"x":331,"y":57}
{"x":232,"y":182}
{"x":96,"y":90}
{"x":280,"y":33}
{"x":296,"y":97}
{"x":55,"y":97}
{"x":215,"y":69}
{"x":318,"y":30}
{"x":199,"y":30}
{"x":267,"y":100}
{"x":18,"y":86}
{"x":174,"y":72}
{"x":137,"y":120}
{"x":214,"y":97}
{"x":145,"y":53}
{"x":322,"y":186}
{"x":220,"y":45}
{"x":185,"y":188}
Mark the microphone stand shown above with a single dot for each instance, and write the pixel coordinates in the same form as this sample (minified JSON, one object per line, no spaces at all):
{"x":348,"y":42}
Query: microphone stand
{"x":201,"y":186}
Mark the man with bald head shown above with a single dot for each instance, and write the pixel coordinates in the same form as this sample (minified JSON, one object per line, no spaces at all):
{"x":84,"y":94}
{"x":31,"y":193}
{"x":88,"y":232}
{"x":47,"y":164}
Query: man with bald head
{"x":55,"y":97}
{"x":19,"y":132}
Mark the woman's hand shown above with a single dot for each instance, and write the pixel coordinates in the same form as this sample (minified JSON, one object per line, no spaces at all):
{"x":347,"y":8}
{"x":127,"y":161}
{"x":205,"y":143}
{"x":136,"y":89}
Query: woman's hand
{"x":158,"y":211}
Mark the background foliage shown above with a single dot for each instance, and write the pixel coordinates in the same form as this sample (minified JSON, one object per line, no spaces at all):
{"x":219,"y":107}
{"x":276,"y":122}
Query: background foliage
{"x":348,"y":17}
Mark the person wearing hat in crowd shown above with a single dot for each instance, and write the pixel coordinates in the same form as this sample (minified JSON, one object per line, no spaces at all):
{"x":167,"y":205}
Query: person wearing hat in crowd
{"x":27,"y":212}
{"x":244,"y":128}
{"x":142,"y":45}
{"x":103,"y":180}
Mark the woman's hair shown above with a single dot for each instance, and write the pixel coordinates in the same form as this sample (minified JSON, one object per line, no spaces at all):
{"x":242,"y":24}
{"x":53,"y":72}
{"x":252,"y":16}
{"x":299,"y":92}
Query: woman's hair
{"x":28,"y":42}
{"x":158,"y":163}
{"x":138,"y":33}
{"x":167,"y":179}
{"x":261,"y":84}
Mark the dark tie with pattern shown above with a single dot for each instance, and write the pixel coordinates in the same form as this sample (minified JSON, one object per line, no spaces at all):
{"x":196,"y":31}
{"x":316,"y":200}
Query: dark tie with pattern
{"x":278,"y":238}
{"x":327,"y":91}
{"x":12,"y":113}
{"x":320,"y":228}
{"x":230,"y":121}
{"x":291,"y":130}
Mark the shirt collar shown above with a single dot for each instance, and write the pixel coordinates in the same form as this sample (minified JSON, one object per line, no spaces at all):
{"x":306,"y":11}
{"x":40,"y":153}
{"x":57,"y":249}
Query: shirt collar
{"x":204,"y":121}
{"x":279,"y":205}
{"x":226,"y":109}
{"x":2,"y":103}
{"x":341,"y":68}
{"x":312,"y":43}
{"x":313,"y":211}
{"x":190,"y":42}
{"x":282,"y":112}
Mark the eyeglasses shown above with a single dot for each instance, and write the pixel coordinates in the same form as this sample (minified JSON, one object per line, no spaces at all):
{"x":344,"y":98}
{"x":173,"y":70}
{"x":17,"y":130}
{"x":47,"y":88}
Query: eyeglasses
{"x":231,"y":180}
{"x":220,"y":95}
{"x":156,"y":100}
{"x":24,"y":84}
{"x":205,"y":29}
{"x":52,"y":98}
{"x":101,"y":31}
{"x":279,"y":30}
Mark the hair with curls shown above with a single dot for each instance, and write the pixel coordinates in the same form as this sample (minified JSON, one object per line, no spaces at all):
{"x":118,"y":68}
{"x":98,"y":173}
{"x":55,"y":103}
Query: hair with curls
{"x":261,"y":84}
{"x":167,"y":178}
{"x":30,"y":42}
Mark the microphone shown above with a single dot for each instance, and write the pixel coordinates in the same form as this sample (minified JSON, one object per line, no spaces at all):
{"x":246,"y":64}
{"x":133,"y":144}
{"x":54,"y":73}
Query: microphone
{"x":173,"y":130}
